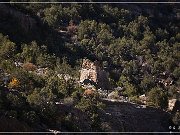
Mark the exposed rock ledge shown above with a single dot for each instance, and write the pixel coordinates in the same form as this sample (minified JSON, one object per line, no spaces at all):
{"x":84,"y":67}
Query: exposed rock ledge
{"x":124,"y":116}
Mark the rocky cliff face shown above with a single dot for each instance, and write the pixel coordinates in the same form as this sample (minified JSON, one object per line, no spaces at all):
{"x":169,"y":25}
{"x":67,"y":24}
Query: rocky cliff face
{"x":19,"y":25}
{"x":121,"y":116}
{"x":25,"y":21}
{"x":93,"y":72}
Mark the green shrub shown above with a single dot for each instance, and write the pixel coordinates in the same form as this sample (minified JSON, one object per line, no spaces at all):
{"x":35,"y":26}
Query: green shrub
{"x":158,"y":98}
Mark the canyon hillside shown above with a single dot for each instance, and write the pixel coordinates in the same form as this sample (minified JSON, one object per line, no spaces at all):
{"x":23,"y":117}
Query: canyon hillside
{"x":94,"y":67}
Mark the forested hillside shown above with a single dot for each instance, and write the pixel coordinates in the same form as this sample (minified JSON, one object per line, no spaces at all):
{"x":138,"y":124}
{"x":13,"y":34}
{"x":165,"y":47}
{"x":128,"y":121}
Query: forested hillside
{"x":41,"y":51}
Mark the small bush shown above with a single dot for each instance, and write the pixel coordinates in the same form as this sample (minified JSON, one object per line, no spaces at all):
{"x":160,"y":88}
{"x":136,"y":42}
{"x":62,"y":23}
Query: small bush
{"x":136,"y":100}
{"x":14,"y":83}
{"x":68,"y":101}
{"x":29,"y":66}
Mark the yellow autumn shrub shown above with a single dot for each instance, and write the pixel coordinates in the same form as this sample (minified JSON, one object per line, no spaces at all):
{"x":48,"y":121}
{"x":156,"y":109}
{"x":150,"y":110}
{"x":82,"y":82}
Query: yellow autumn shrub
{"x":14,"y":83}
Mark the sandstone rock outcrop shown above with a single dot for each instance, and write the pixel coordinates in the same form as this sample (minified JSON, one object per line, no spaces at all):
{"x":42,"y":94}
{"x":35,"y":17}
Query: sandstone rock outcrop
{"x":174,"y":105}
{"x":171,"y":104}
{"x":92,"y":72}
